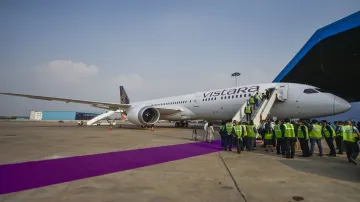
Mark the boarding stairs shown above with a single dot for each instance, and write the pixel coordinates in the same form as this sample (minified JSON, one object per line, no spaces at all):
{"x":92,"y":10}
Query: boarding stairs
{"x":240,"y":114}
{"x":263,"y":110}
{"x":100,"y":117}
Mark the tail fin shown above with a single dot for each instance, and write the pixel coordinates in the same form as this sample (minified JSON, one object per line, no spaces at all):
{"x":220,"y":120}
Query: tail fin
{"x":124,"y":99}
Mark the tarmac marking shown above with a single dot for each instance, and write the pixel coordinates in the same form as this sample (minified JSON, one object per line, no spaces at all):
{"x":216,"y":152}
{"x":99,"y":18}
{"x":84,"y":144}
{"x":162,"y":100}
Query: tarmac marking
{"x":35,"y":174}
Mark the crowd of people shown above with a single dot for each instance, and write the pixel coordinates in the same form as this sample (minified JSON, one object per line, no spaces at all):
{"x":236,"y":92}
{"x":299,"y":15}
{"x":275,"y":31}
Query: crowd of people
{"x":284,"y":136}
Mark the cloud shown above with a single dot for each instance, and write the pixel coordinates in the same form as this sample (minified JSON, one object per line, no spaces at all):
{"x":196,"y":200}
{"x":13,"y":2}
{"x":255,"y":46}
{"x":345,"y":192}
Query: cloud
{"x":68,"y":71}
{"x":133,"y":82}
{"x":79,"y":80}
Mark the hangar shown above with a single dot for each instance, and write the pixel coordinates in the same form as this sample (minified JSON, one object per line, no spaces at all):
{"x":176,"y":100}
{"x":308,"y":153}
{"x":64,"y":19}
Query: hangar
{"x":330,"y":60}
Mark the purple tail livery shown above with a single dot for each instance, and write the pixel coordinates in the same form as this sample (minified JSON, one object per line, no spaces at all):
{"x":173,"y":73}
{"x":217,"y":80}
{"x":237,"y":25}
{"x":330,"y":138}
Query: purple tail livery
{"x":124,"y":99}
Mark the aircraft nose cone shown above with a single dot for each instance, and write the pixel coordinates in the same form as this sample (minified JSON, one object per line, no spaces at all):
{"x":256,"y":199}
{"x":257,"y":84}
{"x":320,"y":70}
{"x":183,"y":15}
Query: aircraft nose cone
{"x":341,"y":105}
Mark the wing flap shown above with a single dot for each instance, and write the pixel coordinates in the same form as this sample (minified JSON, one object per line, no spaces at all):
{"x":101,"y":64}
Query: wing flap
{"x":103,"y":105}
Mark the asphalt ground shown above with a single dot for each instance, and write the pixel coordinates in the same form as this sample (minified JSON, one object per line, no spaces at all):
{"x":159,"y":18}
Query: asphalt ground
{"x":49,"y":161}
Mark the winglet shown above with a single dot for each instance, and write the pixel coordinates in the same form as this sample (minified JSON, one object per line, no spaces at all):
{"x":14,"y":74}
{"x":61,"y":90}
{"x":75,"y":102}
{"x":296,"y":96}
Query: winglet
{"x":124,"y":99}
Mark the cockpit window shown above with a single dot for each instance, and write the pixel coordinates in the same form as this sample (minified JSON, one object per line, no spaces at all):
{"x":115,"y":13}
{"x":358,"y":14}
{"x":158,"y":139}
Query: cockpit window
{"x":310,"y":91}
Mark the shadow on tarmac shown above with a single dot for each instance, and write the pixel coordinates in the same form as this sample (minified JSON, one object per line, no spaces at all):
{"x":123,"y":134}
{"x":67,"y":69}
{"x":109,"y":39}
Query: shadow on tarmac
{"x":332,"y":167}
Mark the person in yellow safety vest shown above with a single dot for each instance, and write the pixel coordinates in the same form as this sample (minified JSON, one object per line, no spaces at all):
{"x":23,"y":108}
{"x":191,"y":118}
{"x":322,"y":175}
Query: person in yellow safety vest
{"x":238,"y":134}
{"x":252,"y":102}
{"x":269,"y":137}
{"x":248,"y":112}
{"x":257,"y":100}
{"x":303,"y":136}
{"x":223,"y":135}
{"x":245,"y":139}
{"x":339,"y":138}
{"x":289,"y":138}
{"x":279,"y":138}
{"x":350,"y":136}
{"x":234,"y":137}
{"x":315,"y":137}
{"x":251,"y":134}
{"x":328,"y":132}
{"x":229,"y":138}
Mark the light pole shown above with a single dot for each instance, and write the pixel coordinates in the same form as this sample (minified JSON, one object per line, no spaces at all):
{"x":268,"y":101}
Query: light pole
{"x":235,"y":74}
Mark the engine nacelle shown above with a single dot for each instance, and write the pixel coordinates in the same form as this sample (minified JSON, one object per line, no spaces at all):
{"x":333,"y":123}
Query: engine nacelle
{"x":144,"y":115}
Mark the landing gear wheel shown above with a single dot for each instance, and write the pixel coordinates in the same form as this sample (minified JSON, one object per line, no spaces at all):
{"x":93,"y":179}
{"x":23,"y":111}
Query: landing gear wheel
{"x":177,"y":124}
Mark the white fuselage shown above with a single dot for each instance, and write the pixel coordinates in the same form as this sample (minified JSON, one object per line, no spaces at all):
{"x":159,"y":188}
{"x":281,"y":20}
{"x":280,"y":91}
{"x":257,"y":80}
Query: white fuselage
{"x":301,"y":101}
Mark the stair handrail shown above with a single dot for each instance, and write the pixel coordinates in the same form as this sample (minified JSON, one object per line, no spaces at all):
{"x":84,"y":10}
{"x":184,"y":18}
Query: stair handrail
{"x":274,"y":93}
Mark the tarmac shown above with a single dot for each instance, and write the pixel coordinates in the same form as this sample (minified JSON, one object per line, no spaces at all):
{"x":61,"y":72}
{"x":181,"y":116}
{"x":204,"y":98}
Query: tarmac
{"x":42,"y":161}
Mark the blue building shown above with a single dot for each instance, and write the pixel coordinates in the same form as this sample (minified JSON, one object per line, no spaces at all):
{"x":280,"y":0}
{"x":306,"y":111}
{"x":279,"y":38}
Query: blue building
{"x":68,"y":115}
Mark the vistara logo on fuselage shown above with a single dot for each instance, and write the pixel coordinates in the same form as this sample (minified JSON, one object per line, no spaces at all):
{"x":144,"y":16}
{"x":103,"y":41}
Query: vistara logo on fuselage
{"x":232,"y":91}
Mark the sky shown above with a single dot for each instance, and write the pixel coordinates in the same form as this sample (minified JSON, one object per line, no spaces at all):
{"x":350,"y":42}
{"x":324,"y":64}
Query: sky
{"x":86,"y":49}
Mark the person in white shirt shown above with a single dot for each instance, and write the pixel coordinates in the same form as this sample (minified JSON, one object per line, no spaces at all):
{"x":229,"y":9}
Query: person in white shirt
{"x":272,"y":124}
{"x":210,"y":133}
{"x":205,"y":130}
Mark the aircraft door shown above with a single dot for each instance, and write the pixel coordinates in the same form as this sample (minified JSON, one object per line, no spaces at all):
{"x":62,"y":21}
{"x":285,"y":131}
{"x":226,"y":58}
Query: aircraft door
{"x":283,"y":91}
{"x":197,"y":99}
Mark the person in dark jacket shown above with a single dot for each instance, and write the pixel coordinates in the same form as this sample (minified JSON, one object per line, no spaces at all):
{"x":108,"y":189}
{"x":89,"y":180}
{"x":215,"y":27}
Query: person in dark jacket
{"x":267,"y":92}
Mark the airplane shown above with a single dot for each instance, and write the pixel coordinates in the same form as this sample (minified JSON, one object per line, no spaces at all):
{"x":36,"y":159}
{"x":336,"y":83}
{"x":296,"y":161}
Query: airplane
{"x":301,"y":102}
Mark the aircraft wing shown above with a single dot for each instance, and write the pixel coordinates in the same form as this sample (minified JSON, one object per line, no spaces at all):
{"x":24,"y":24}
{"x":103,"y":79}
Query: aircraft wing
{"x":103,"y":105}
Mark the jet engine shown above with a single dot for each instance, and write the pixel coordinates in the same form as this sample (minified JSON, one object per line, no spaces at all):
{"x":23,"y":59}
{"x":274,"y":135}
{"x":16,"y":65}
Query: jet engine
{"x":144,"y":115}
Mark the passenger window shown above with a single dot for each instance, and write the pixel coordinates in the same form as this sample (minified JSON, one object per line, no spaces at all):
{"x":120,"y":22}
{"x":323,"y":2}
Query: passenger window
{"x":232,"y":97}
{"x":310,"y":91}
{"x":228,"y":97}
{"x":244,"y":95}
{"x":221,"y":97}
{"x":214,"y":98}
{"x":249,"y":94}
{"x":240,"y":96}
{"x":225,"y":97}
{"x":236,"y":96}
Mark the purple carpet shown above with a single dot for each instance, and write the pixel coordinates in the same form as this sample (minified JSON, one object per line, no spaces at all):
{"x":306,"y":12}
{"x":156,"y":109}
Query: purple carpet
{"x":34,"y":174}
